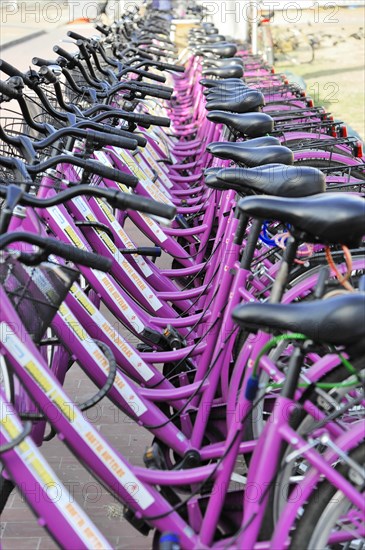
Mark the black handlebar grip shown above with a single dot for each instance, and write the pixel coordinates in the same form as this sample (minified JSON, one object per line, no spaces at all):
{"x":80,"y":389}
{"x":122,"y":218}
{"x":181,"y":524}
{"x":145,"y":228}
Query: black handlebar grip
{"x":113,"y":140}
{"x":77,"y":256}
{"x":151,"y":76}
{"x":158,"y":94}
{"x":152,"y":252}
{"x":63,"y":53}
{"x":141,"y":204}
{"x":102,"y":30}
{"x":142,"y":141}
{"x":9,"y":91}
{"x":170,"y":67}
{"x":39,"y":62}
{"x":48,"y":74}
{"x":81,"y":45}
{"x":156,"y":120}
{"x":13,"y":71}
{"x":155,"y":87}
{"x":109,"y":173}
{"x":76,"y":36}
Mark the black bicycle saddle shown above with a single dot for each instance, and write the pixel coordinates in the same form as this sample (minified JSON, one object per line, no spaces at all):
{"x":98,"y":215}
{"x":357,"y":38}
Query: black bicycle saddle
{"x":252,"y":156}
{"x":249,"y":124}
{"x":221,"y":49}
{"x":244,"y":102}
{"x":328,"y":218}
{"x":339,"y":321}
{"x":228,"y":71}
{"x":271,"y":179}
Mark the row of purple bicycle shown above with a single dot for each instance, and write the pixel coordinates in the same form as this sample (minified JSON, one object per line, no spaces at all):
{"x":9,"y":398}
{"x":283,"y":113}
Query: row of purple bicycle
{"x":187,"y":228}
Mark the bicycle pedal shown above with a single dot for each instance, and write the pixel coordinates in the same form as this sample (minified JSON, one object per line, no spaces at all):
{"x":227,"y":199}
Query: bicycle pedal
{"x":173,"y":337}
{"x":137,"y":523}
{"x":144,"y":348}
{"x":182,"y":221}
{"x":153,"y":458}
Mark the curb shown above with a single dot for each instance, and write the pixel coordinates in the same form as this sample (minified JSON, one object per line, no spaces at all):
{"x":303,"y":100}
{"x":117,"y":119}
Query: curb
{"x":18,"y":41}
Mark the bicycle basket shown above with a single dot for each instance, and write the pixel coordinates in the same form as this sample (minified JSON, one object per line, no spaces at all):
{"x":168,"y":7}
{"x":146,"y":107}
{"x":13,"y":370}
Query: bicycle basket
{"x":35,"y":292}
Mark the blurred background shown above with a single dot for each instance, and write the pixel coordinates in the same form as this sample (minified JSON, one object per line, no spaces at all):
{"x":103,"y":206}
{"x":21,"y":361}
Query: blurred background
{"x":318,"y":44}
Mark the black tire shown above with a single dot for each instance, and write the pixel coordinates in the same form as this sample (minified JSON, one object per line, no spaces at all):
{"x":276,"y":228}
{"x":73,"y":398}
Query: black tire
{"x":322,"y":511}
{"x":6,"y":380}
{"x":6,"y":488}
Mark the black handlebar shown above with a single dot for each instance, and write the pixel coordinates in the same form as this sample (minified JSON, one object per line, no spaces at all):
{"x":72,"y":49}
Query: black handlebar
{"x":40,"y":62}
{"x":142,"y":204}
{"x":76,"y":36}
{"x":10,"y":70}
{"x":9,"y":91}
{"x":110,"y":139}
{"x":63,"y":53}
{"x":48,"y":74}
{"x":117,"y":199}
{"x":102,"y":30}
{"x":53,"y":246}
{"x":108,"y":173}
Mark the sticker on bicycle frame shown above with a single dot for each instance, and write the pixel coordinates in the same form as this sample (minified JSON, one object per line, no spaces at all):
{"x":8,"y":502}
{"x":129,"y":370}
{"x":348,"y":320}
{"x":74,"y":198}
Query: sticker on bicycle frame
{"x":82,"y":205}
{"x":36,"y":370}
{"x":58,"y":216}
{"x":128,"y":312}
{"x":147,"y":293}
{"x":147,"y":272}
{"x":66,"y":228}
{"x":103,"y":159}
{"x":146,"y":169}
{"x":135,"y":488}
{"x":130,"y":162}
{"x":147,"y":154}
{"x":53,"y":487}
{"x":155,"y":189}
{"x":91,"y":437}
{"x":151,"y":177}
{"x":127,"y":351}
{"x":134,"y":277}
{"x":155,"y":193}
{"x":88,"y":214}
{"x":124,"y":389}
{"x":154,"y":227}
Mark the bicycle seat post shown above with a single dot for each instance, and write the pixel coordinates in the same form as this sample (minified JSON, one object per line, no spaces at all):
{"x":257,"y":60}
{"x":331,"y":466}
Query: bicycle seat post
{"x":285,"y":267}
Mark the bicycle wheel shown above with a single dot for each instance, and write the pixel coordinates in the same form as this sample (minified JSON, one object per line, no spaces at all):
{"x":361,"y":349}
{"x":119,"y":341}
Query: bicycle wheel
{"x":293,"y":471}
{"x":329,"y":520}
